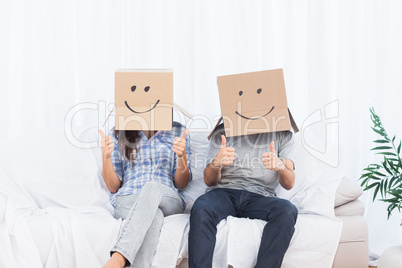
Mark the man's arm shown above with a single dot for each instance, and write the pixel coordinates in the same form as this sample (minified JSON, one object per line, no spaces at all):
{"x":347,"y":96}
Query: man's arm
{"x":284,"y":167}
{"x":212,"y":174}
{"x":286,"y":177}
{"x":225,"y":157}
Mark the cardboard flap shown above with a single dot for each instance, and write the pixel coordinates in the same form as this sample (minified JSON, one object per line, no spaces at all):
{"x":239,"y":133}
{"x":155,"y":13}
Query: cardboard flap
{"x":182,"y":110}
{"x":216,"y":126}
{"x":293,"y":122}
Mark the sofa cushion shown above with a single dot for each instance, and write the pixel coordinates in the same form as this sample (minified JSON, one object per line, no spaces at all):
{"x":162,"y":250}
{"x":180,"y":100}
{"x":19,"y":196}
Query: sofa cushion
{"x":348,"y":190}
{"x":353,"y":208}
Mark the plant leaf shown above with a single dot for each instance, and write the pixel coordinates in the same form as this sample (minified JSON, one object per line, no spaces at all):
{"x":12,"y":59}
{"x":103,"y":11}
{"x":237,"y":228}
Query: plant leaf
{"x":385,"y":186}
{"x":371,"y":185}
{"x":375,"y":193}
{"x":385,"y":166}
{"x":368,"y":169}
{"x":380,"y":141}
{"x":374,"y":178}
{"x":365,"y":175}
{"x":364,"y":181}
{"x":392,"y":166}
{"x":382,"y":148}
{"x":381,"y":189}
{"x":379,"y":173}
{"x":387,"y":153}
{"x":379,"y":132}
{"x":393,"y":179}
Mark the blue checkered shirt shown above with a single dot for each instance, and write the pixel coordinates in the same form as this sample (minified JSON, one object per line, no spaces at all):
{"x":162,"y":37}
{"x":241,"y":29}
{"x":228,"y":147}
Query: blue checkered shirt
{"x":154,"y":161}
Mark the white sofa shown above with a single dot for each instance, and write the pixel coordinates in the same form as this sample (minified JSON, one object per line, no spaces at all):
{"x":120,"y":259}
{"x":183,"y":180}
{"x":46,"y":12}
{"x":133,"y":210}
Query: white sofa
{"x":354,"y":237}
{"x":54,"y":212}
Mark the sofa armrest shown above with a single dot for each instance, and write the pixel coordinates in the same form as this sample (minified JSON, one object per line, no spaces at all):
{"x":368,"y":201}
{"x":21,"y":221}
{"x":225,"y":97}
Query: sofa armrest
{"x":353,"y":250}
{"x":353,"y":208}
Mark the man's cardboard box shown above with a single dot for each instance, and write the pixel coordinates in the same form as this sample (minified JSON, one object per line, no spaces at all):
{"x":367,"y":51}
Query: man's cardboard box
{"x":254,"y":103}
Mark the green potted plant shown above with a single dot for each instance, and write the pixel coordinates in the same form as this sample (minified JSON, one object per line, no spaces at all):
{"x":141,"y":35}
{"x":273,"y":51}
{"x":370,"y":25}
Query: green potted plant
{"x":386,"y":176}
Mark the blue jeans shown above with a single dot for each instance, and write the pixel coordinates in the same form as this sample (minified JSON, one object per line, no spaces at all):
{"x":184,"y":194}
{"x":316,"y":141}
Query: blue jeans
{"x":216,"y":205}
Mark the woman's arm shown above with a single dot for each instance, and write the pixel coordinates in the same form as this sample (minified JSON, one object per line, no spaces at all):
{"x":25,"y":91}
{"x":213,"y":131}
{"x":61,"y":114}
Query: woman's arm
{"x":110,"y":177}
{"x":182,"y":176}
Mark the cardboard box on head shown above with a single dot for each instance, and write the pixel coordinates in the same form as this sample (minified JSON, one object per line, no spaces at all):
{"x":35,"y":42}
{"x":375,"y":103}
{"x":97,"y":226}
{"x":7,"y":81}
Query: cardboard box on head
{"x":254,"y":103}
{"x":144,"y":99}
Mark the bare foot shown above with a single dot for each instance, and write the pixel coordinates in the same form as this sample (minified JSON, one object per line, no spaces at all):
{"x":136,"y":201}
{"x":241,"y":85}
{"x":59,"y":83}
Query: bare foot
{"x":116,"y":261}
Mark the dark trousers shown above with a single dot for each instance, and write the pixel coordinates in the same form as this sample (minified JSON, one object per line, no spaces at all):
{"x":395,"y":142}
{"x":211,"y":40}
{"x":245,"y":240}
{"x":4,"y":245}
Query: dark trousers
{"x":216,"y":205}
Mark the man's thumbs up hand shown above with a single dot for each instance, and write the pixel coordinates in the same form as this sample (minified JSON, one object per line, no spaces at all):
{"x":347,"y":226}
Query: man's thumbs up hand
{"x":271,"y":161}
{"x":225,"y":156}
{"x":223,"y":144}
{"x":272,"y":147}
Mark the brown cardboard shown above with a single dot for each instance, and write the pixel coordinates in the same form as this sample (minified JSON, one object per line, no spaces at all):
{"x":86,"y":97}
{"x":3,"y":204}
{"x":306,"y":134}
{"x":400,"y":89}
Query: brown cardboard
{"x":182,"y":110}
{"x":149,"y":105}
{"x":254,"y":103}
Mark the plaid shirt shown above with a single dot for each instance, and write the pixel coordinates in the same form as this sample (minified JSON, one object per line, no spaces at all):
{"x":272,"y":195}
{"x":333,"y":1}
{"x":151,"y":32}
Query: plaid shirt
{"x":154,"y":161}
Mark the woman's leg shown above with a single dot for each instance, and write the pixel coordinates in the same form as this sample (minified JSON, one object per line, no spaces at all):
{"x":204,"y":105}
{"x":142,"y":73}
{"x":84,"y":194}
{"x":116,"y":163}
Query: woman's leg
{"x":153,"y":197}
{"x":147,"y":250}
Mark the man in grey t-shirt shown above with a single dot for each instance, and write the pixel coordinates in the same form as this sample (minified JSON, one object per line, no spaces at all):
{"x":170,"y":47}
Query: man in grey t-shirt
{"x":242,"y":173}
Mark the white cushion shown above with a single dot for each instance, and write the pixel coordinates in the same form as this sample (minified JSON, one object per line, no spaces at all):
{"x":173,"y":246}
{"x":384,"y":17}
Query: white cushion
{"x":318,"y":198}
{"x":55,"y":173}
{"x":347,"y":191}
{"x":306,"y":171}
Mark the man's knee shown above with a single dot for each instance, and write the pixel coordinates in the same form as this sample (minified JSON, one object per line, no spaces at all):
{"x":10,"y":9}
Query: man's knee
{"x":202,"y":211}
{"x":287,"y":210}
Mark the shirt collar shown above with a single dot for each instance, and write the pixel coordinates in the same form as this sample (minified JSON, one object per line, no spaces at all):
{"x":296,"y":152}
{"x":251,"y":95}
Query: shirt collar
{"x":144,"y":138}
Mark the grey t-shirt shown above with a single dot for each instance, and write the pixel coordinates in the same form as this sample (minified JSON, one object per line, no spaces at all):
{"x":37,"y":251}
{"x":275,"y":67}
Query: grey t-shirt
{"x":247,"y":171}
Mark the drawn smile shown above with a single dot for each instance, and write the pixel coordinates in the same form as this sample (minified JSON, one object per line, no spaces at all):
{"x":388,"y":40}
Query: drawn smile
{"x":143,"y":111}
{"x":254,"y":118}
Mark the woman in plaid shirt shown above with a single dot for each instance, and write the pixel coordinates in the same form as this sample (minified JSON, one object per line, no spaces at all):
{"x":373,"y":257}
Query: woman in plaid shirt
{"x":145,"y":172}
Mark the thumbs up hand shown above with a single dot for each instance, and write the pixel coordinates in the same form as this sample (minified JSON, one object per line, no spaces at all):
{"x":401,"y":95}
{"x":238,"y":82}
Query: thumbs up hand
{"x":107,"y":145}
{"x":271,"y":160}
{"x":179,"y":144}
{"x":225,"y":156}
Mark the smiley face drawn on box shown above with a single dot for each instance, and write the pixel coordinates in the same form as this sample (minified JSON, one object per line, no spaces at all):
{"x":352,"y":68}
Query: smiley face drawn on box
{"x":143,"y":99}
{"x":254,"y":103}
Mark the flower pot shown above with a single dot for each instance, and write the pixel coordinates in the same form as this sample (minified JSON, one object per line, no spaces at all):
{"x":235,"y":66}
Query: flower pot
{"x":391,"y":258}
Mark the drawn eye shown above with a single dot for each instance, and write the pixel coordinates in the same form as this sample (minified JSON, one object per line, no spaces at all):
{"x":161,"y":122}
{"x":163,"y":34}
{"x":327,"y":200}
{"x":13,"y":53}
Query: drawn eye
{"x":133,"y":88}
{"x":146,"y":88}
{"x":240,"y":93}
{"x":259,"y":91}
